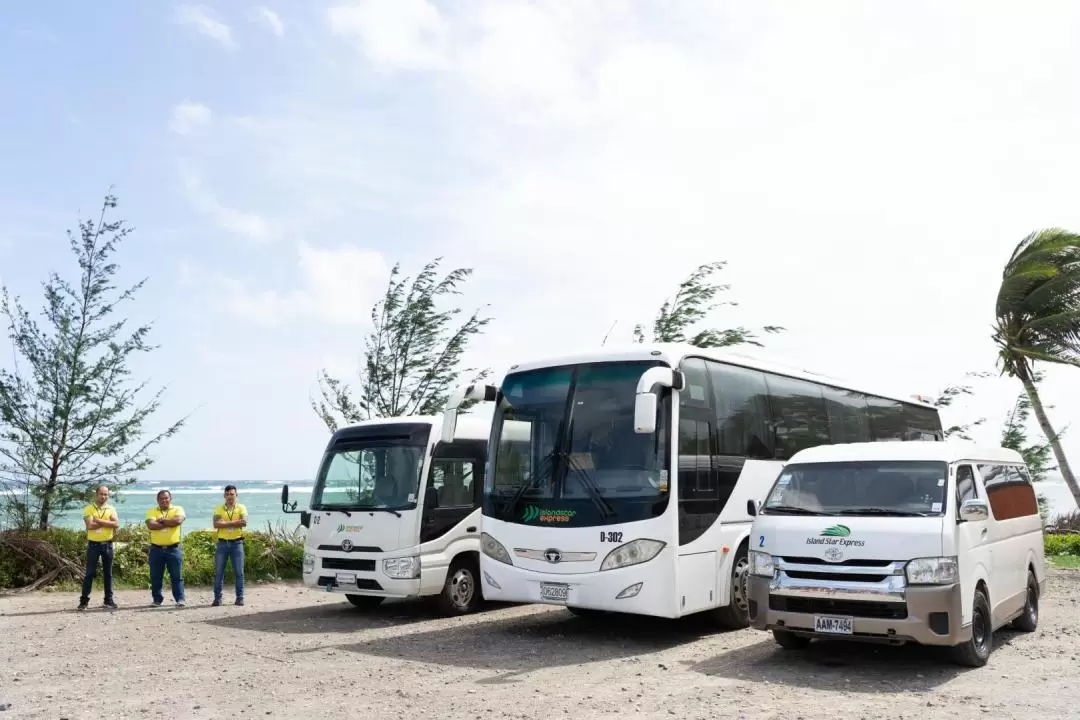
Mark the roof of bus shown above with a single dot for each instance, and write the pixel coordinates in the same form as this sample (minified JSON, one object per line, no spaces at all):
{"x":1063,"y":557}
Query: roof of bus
{"x":942,"y":451}
{"x":467,"y":428}
{"x":673,"y":353}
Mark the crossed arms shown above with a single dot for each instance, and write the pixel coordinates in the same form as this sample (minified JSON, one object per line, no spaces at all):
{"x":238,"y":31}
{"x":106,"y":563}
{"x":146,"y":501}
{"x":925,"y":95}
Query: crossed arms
{"x":221,"y":524}
{"x":162,"y":523}
{"x":93,"y":522}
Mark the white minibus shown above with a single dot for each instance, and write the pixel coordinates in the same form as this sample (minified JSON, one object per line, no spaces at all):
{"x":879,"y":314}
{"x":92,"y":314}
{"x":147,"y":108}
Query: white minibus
{"x":939,"y":543}
{"x":624,"y":486}
{"x":395,"y":513}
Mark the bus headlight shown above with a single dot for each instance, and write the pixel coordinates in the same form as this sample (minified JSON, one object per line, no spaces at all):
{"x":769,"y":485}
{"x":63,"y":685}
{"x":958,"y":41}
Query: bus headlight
{"x":403,"y":568}
{"x":632,"y":553}
{"x":494,"y":549}
{"x":932,"y":571}
{"x":309,"y":563}
{"x":761,"y":564}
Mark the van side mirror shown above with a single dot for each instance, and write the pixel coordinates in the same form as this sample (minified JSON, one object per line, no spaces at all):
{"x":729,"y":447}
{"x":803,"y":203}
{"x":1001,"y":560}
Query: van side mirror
{"x":974,"y":509}
{"x":751,"y":507}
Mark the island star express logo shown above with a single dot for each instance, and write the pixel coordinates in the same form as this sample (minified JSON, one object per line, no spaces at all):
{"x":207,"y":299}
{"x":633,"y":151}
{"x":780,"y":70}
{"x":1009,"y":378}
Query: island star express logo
{"x":532,"y":512}
{"x":349,"y":528}
{"x":837,"y":536}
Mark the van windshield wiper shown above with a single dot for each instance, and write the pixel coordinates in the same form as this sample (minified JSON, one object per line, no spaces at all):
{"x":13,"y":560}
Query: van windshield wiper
{"x":790,"y":510}
{"x":882,"y":511}
{"x":382,"y":509}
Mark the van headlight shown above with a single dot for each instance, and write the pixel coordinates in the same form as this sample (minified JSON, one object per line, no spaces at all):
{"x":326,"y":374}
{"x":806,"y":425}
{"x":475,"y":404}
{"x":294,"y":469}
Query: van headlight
{"x":494,"y":549}
{"x":632,"y":553}
{"x":932,"y":571}
{"x":308,"y":563}
{"x":761,"y":564}
{"x":403,"y":568}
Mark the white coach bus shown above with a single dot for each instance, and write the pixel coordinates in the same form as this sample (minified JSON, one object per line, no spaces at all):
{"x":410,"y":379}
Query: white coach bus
{"x":626,"y":485}
{"x":395,"y":513}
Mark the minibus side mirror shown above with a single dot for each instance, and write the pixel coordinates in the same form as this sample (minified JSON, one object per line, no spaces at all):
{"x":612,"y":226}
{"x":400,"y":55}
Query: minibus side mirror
{"x":974,"y":510}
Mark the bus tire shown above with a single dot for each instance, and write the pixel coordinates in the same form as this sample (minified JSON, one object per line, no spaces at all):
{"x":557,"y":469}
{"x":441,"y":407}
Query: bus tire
{"x":365,"y":602}
{"x":461,"y":591}
{"x":735,"y":615}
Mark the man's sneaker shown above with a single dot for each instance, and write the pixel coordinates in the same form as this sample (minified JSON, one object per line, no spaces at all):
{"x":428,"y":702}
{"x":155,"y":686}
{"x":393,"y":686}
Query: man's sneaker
{"x":180,"y":603}
{"x":82,"y":605}
{"x":156,"y":603}
{"x":111,"y":604}
{"x":239,"y":601}
{"x":217,"y":602}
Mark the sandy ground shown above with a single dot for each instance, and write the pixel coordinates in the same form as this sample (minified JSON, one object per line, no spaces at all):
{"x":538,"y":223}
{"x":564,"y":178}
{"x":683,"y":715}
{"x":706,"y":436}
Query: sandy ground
{"x":295,"y":653}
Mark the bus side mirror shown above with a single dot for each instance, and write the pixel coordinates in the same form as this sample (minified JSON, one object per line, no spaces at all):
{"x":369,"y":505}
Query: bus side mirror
{"x":284,"y":494}
{"x":751,"y":508}
{"x":645,"y":413}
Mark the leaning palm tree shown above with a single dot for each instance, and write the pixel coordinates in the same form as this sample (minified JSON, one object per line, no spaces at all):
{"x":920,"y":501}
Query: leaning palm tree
{"x":1038,"y":319}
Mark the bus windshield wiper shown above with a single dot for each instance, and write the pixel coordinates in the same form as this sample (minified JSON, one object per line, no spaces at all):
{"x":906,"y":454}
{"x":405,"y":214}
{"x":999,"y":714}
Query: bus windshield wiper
{"x":882,"y":511}
{"x":590,"y":486}
{"x":791,"y":510}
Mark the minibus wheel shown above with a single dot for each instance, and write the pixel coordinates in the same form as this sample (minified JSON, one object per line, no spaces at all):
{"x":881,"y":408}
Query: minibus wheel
{"x":461,"y":591}
{"x":1029,"y":618}
{"x":976,"y":651}
{"x":365,"y":602}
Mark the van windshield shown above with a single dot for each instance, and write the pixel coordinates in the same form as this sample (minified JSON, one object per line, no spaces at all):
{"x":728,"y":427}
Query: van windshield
{"x":897,"y":488}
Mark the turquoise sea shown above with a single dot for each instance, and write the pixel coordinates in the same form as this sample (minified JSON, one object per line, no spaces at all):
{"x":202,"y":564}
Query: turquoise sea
{"x":200,"y":497}
{"x":263,"y":501}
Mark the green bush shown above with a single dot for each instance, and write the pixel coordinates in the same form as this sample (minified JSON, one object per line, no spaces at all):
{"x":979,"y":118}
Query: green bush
{"x":1063,"y":545}
{"x":26,"y":557}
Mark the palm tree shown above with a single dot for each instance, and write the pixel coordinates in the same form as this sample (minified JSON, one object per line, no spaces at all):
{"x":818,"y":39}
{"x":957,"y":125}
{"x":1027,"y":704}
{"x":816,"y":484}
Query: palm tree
{"x":1038,"y":319}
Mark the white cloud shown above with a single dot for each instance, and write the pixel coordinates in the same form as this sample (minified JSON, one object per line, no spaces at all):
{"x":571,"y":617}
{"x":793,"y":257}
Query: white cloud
{"x":338,"y":287}
{"x":238,"y":222}
{"x":271,"y":19}
{"x":206,"y":22}
{"x":190,"y":116}
{"x":397,"y":34}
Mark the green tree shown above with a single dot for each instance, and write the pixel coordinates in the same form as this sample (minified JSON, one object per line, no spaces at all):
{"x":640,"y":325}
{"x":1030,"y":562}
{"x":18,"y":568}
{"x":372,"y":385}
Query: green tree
{"x":1038,"y":319}
{"x":412,"y":356}
{"x":693,"y":301}
{"x":948,"y":395}
{"x":70,"y":418}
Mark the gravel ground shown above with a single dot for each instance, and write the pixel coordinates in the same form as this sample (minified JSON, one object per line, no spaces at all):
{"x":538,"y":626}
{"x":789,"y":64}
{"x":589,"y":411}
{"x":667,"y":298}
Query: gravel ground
{"x":292,"y":652}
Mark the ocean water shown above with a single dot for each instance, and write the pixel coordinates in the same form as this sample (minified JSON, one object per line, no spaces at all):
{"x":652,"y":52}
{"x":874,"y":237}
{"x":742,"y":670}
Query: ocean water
{"x":263,"y":501}
{"x":200,"y":497}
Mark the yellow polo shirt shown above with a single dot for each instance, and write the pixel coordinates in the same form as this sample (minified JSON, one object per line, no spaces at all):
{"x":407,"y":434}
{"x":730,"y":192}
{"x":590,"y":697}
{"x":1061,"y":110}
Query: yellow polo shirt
{"x":238,"y":511}
{"x":168,"y":536}
{"x":105,"y":512}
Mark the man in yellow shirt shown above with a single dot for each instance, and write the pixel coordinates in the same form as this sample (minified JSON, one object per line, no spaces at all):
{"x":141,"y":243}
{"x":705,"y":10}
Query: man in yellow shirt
{"x":230,"y":519}
{"x":164,"y":522}
{"x":101,"y":521}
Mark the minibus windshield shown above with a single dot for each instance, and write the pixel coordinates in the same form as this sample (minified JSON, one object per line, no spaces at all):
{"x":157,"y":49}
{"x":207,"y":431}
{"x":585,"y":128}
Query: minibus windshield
{"x":873,"y":487}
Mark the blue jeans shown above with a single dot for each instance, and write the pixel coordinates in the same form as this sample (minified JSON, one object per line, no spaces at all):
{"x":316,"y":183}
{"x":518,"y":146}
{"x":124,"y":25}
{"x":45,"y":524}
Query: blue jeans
{"x":95,"y":551}
{"x":160,"y":559}
{"x":229,"y":550}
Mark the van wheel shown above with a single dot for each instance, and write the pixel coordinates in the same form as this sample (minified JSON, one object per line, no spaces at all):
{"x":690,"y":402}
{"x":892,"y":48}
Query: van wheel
{"x":976,"y":651}
{"x":736,"y":614}
{"x":365,"y":602}
{"x":461,"y":591}
{"x":790,"y":641}
{"x":1029,"y":619}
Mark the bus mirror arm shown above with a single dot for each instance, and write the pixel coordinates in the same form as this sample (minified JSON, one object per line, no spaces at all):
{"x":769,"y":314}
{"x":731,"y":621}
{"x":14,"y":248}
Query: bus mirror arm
{"x":481,"y":393}
{"x":290,"y":507}
{"x":645,"y":400}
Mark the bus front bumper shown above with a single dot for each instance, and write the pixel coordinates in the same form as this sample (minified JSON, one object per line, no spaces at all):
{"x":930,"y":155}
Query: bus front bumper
{"x":643,"y":589}
{"x":361,"y":583}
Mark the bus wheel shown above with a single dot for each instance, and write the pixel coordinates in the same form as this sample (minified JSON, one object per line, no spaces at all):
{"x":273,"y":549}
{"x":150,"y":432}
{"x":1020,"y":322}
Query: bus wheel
{"x":365,"y":602}
{"x":461,"y":591}
{"x":735,"y":615}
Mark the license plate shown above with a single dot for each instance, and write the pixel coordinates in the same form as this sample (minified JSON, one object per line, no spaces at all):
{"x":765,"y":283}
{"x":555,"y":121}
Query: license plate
{"x":833,"y":625}
{"x":346,"y":579}
{"x":555,"y":592}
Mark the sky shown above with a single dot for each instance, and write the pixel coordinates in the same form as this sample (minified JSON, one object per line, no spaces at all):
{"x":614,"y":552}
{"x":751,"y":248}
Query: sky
{"x":864,"y":168}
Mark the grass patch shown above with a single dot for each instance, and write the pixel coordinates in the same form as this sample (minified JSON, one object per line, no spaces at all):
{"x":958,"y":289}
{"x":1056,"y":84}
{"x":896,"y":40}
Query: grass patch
{"x":1066,"y":562}
{"x":56,"y":558}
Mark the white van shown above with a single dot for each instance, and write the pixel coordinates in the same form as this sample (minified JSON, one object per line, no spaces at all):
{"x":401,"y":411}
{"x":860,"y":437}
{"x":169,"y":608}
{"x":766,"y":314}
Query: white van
{"x":938,"y":543}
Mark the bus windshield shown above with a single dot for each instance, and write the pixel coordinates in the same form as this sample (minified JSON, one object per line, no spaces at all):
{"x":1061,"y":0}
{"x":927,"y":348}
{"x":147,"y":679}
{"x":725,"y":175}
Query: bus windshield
{"x":896,"y":488}
{"x":565,"y":450}
{"x":367,"y":474}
